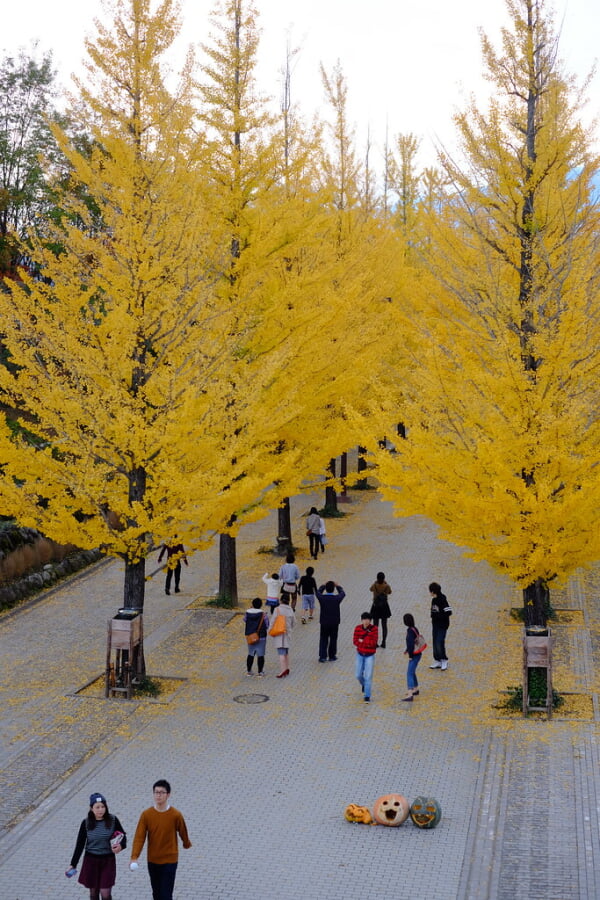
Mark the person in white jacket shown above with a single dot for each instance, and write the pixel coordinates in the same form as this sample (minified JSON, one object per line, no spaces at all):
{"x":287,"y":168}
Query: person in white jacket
{"x":273,"y":586}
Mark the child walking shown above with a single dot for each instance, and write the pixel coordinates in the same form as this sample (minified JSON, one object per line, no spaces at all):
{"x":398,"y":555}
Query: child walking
{"x":308,"y":586}
{"x":272,"y":582}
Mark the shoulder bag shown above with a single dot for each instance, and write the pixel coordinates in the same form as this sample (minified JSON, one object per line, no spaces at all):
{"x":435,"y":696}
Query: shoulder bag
{"x":254,"y":638}
{"x":420,"y":644}
{"x":279,"y":626}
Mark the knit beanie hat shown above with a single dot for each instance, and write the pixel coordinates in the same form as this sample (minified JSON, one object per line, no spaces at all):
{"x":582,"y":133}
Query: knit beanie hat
{"x":97,"y":798}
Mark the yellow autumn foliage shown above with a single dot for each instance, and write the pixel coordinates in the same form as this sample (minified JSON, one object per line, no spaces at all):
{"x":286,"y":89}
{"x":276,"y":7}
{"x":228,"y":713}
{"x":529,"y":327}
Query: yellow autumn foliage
{"x":501,"y":328}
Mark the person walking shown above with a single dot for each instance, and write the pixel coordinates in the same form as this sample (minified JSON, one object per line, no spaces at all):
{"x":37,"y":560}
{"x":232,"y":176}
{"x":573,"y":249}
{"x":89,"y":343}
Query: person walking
{"x":281,"y":640}
{"x":307,"y":588}
{"x":161,"y":823}
{"x":440,"y":622}
{"x":380,"y":608}
{"x":256,"y":623}
{"x":330,"y":597}
{"x":414,"y":657}
{"x":101,"y":836}
{"x":273,"y":584}
{"x":365,"y":640}
{"x":313,"y":531}
{"x":175,"y":553}
{"x":289,"y":575}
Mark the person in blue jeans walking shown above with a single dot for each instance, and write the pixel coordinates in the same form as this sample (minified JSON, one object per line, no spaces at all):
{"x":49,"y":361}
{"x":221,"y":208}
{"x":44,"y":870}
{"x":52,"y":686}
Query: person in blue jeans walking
{"x":366,"y":636}
{"x":413,"y":658}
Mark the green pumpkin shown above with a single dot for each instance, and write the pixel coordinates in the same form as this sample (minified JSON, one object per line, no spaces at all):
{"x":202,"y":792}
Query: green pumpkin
{"x":425,"y":812}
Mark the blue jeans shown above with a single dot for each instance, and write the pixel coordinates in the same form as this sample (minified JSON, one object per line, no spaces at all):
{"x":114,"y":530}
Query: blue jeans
{"x":411,"y":674}
{"x":364,"y":672}
{"x":162,"y":879}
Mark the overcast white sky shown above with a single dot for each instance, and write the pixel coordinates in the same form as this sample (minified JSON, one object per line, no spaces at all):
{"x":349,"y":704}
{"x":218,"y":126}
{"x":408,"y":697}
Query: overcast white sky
{"x":409,"y":63}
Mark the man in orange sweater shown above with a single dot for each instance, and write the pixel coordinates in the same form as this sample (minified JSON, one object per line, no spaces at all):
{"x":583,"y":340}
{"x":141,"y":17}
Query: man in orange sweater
{"x":161,"y":823}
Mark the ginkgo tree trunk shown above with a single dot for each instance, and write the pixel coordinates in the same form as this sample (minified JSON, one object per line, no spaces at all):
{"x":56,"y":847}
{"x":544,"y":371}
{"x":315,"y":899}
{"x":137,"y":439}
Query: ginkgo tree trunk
{"x":501,"y":324}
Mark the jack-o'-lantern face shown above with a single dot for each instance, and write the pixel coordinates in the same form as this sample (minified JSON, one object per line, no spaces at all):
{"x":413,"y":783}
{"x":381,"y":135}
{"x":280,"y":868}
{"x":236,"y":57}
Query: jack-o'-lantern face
{"x":355,"y":813}
{"x":391,"y":809}
{"x":425,"y":812}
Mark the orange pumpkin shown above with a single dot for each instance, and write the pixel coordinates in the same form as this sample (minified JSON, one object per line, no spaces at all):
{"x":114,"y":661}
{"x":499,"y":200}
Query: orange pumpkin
{"x":355,"y":813}
{"x":391,"y":809}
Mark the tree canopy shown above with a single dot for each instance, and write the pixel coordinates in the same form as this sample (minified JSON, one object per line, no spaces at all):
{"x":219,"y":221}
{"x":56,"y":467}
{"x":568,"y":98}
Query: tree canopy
{"x":121,"y":347}
{"x":503,"y":326}
{"x":223,"y":304}
{"x":27,"y":86}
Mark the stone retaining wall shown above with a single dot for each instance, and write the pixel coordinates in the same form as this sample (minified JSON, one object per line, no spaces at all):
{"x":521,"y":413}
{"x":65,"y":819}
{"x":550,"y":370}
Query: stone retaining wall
{"x":29,"y":563}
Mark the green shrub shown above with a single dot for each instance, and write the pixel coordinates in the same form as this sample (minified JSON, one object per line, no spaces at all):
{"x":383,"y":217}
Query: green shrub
{"x":537,"y":692}
{"x":330,"y":512}
{"x":221,"y":602}
{"x":147,"y":687}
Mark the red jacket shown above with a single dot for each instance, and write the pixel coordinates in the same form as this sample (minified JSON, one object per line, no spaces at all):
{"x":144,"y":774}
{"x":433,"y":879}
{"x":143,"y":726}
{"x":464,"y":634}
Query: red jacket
{"x":365,"y":639}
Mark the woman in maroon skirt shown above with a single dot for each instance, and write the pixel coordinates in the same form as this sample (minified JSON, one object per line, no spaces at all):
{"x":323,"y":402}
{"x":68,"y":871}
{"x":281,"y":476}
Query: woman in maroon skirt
{"x":101,"y":836}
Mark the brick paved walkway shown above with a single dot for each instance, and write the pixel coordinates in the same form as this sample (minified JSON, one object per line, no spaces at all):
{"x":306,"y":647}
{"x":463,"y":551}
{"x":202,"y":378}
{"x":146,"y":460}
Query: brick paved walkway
{"x":263,"y":786}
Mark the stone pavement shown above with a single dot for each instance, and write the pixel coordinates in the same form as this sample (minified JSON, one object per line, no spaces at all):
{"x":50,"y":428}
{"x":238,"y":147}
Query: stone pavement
{"x":263,"y":786}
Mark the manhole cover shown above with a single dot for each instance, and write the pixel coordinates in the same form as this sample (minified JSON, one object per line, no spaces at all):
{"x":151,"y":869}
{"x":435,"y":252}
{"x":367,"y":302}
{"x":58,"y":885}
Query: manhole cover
{"x":251,"y":698}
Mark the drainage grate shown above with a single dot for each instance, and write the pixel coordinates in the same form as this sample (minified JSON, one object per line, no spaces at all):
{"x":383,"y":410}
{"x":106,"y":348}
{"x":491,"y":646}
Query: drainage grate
{"x":251,"y":698}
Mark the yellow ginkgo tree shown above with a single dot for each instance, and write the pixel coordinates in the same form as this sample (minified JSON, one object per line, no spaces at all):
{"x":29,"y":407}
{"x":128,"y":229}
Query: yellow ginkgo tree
{"x":280,"y":267}
{"x":122,"y":351}
{"x":502,"y":325}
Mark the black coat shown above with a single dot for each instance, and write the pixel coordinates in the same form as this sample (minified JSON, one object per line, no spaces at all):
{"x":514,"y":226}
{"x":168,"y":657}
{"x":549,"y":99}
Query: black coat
{"x":330,"y":606}
{"x":440,"y":611}
{"x":380,"y":608}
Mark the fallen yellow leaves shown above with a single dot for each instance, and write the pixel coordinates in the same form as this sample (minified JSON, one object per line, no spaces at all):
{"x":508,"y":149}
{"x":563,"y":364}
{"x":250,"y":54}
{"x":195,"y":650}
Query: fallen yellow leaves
{"x":167,"y":687}
{"x":575,"y":708}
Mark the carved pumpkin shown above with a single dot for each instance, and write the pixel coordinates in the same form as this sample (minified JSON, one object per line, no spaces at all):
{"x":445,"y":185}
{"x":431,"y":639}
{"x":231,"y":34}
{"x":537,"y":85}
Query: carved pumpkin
{"x":356,"y":813}
{"x":425,"y":812}
{"x":391,"y":809}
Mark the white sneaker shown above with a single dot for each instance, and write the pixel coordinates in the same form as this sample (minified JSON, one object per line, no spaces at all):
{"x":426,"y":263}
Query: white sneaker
{"x":436,"y":665}
{"x":444,"y":665}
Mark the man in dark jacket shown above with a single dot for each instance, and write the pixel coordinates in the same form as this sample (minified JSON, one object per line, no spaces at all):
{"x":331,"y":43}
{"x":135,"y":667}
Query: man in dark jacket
{"x":440,"y":620}
{"x":329,"y":620}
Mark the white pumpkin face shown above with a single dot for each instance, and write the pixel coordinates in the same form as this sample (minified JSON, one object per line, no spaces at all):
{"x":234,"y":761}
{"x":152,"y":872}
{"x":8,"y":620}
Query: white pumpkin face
{"x":391,"y":809}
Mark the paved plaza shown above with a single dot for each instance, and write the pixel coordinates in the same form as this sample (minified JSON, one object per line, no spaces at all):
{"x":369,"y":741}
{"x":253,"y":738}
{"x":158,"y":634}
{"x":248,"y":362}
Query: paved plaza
{"x":263,"y":785}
